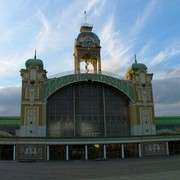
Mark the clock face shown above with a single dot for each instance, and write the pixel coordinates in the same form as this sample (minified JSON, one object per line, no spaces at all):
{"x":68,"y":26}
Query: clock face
{"x":88,"y":42}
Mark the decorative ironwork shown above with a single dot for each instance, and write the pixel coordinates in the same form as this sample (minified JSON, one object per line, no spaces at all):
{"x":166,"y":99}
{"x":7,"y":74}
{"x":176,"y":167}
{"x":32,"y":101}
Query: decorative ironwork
{"x":52,"y":85}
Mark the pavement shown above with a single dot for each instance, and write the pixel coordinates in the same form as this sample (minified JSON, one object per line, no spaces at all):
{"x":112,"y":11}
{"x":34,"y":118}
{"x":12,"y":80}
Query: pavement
{"x":151,"y":168}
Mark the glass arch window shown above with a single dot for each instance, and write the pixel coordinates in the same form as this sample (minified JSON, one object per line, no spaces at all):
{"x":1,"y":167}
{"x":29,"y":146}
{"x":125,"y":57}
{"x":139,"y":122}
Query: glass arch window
{"x":88,"y":109}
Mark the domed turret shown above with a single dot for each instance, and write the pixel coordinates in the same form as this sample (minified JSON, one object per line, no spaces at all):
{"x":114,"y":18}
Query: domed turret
{"x":136,"y":66}
{"x":37,"y":62}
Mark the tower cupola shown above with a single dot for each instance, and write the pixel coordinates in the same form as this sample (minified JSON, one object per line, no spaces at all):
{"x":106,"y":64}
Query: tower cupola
{"x":87,"y":49}
{"x":135,"y":67}
{"x":37,"y":62}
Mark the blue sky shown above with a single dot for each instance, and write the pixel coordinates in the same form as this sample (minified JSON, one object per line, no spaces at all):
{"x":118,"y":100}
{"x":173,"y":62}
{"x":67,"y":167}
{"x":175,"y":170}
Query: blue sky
{"x":150,"y":28}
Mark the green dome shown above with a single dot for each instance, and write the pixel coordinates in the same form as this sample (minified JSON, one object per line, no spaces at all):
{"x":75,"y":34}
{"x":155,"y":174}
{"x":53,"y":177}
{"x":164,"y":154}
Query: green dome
{"x":37,"y":62}
{"x":137,"y":66}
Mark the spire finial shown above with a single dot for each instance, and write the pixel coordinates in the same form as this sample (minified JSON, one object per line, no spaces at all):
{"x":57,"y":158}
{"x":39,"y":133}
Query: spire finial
{"x":135,"y":58}
{"x":35,"y":54}
{"x":85,"y":16}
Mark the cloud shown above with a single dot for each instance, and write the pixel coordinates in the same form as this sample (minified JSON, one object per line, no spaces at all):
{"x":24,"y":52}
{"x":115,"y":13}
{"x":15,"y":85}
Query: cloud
{"x":118,"y":46}
{"x":6,"y":36}
{"x":167,"y":109}
{"x":166,"y":54}
{"x":143,"y":17}
{"x":11,"y":65}
{"x":116,"y":50}
{"x":10,"y":101}
{"x":48,"y":37}
{"x":166,"y":96}
{"x":163,"y":89}
{"x":96,"y":6}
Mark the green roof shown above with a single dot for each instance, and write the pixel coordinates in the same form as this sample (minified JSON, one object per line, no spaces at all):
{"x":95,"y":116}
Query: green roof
{"x":9,"y":120}
{"x":37,"y":62}
{"x":34,"y":61}
{"x":137,"y":66}
{"x":167,"y":120}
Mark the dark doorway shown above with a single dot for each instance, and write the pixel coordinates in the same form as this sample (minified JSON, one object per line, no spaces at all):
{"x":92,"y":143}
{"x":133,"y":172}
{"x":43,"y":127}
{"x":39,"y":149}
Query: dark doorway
{"x":6,"y":152}
{"x":76,"y":152}
{"x":174,"y":147}
{"x":57,"y":152}
{"x":131,"y":150}
{"x":95,"y":151}
{"x":113,"y":151}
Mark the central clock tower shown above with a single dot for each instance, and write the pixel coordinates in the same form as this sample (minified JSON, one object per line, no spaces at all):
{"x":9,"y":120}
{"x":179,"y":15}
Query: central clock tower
{"x":87,"y":49}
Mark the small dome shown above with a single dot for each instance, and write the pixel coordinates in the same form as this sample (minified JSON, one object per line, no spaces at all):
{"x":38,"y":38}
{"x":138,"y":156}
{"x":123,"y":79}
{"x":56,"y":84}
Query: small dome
{"x":136,"y":66}
{"x":37,"y":62}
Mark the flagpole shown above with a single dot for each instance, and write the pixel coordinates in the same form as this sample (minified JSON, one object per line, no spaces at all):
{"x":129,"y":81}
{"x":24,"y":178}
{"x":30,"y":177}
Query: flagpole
{"x":85,"y":16}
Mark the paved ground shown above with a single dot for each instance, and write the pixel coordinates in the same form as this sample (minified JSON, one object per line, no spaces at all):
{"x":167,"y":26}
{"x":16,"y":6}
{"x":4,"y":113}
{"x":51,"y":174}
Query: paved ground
{"x":165,"y":168}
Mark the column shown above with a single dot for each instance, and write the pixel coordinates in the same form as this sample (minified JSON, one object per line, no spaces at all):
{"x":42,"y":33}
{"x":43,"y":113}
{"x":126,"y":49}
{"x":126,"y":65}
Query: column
{"x":99,"y":63}
{"x":86,"y":152}
{"x":47,"y":152}
{"x":139,"y":148}
{"x":14,"y":152}
{"x":104,"y":151}
{"x":167,"y":148}
{"x":67,"y":152}
{"x":122,"y":151}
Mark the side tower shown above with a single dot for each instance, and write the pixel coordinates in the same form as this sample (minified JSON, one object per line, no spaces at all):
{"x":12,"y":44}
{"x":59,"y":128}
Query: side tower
{"x":142,"y":109}
{"x":87,"y":49}
{"x":33,"y":108}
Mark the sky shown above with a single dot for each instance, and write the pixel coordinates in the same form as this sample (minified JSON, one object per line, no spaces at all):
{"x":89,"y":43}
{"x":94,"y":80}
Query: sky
{"x":149,"y":28}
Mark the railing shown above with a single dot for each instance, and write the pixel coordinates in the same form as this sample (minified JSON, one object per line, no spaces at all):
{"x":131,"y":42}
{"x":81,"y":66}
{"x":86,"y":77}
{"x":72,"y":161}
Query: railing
{"x":141,"y":137}
{"x":84,"y":72}
{"x":86,"y":25}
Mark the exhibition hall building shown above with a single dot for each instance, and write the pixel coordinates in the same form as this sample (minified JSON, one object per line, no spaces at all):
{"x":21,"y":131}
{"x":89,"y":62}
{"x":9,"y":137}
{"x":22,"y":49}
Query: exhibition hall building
{"x":87,"y":114}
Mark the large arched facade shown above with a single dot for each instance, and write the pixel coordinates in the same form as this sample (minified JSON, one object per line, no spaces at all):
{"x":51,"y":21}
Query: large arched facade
{"x":88,"y":109}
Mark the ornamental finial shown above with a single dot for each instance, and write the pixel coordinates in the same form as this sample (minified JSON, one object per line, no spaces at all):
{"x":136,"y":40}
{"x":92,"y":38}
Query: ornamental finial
{"x":135,"y":58}
{"x":35,"y":54}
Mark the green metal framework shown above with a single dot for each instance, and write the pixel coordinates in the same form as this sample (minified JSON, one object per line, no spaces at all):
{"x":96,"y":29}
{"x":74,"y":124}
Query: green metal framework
{"x":56,"y":83}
